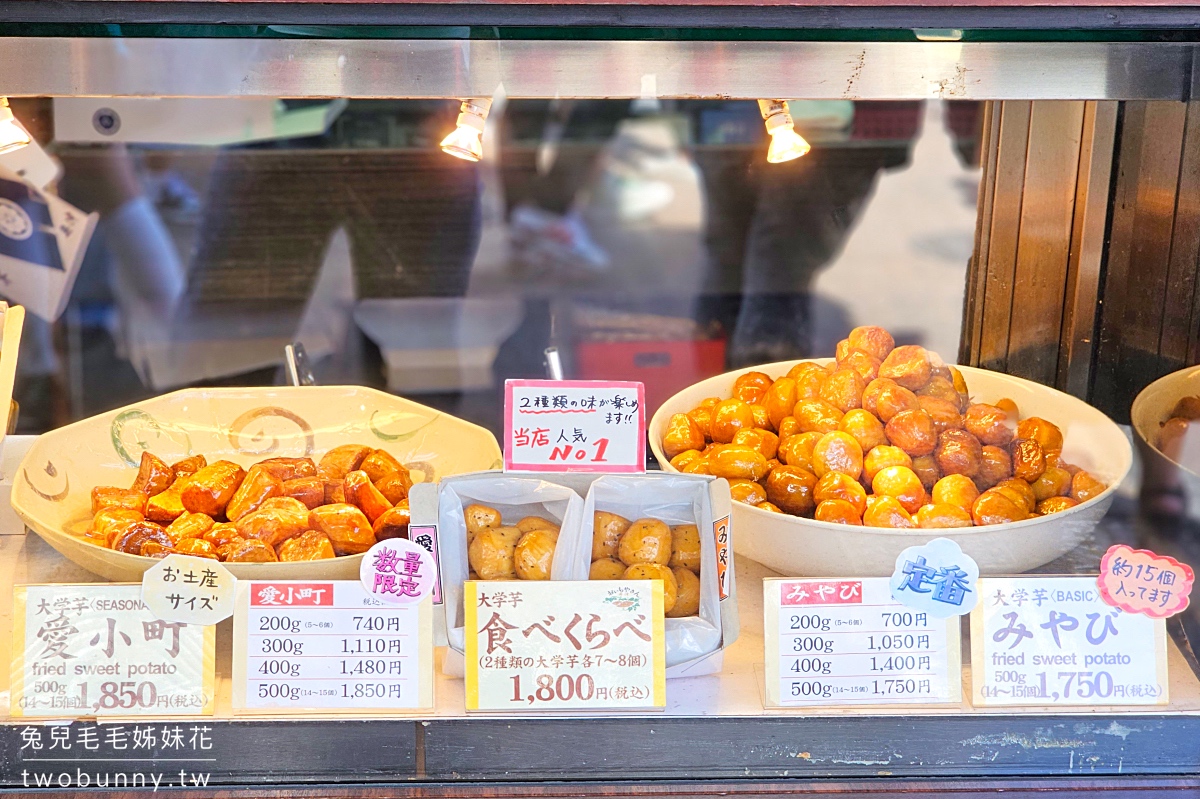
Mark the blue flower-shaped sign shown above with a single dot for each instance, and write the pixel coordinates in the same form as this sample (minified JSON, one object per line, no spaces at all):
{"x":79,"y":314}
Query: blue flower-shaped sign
{"x":937,"y":578}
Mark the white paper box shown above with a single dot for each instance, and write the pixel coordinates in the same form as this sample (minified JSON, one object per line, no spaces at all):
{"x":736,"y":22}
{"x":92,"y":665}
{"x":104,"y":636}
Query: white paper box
{"x":694,"y":645}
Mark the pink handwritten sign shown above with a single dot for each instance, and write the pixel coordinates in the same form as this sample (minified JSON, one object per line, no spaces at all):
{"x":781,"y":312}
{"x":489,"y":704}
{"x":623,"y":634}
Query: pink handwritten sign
{"x":1139,"y":581}
{"x":574,"y":426}
{"x":397,"y":571}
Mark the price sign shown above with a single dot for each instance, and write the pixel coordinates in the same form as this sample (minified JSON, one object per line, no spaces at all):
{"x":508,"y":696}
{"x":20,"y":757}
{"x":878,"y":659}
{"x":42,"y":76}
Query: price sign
{"x":565,"y":645}
{"x":327,"y":646}
{"x":97,"y":650}
{"x":574,"y":426}
{"x":1054,"y":641}
{"x":836,"y":642}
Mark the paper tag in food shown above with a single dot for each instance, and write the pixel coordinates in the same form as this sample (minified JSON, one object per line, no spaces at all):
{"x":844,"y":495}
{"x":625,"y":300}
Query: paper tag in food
{"x":329,"y":645}
{"x":98,"y":650}
{"x":1049,"y":641}
{"x":839,"y":642}
{"x":574,"y":426}
{"x":426,"y":535}
{"x":537,"y":646}
{"x":721,"y":532}
{"x":937,"y":578}
{"x":398,"y":572}
{"x":1138,"y":581}
{"x":189,"y":589}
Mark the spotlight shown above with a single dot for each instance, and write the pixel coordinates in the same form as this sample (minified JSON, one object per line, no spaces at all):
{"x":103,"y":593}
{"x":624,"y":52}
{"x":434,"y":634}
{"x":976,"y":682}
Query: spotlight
{"x":12,"y":135}
{"x":786,"y":143}
{"x":465,"y":142}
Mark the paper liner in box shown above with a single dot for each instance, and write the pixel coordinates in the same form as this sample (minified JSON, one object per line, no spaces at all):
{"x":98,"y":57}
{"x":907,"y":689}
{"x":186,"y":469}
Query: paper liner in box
{"x":515,"y":498}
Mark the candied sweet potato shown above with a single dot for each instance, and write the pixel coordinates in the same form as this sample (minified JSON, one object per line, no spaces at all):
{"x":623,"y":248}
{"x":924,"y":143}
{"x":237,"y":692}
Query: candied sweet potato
{"x":154,"y":475}
{"x":348,"y":529}
{"x":210,"y":489}
{"x":309,"y":545}
{"x":275,"y":521}
{"x":258,"y":486}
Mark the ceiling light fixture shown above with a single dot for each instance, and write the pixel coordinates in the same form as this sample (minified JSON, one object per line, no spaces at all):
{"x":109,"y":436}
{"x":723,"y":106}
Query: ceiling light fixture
{"x":12,"y":135}
{"x":466,"y":140}
{"x":786,"y":143}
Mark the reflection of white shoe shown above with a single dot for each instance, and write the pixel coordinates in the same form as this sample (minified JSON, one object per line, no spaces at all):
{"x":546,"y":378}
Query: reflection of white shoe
{"x":638,"y":199}
{"x":542,"y":239}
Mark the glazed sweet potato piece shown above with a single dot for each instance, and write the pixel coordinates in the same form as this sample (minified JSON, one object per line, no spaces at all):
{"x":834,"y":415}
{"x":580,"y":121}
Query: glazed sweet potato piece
{"x":338,"y":461}
{"x":196,"y":547}
{"x":189,"y":525}
{"x":309,"y":490}
{"x":210,"y":489}
{"x":259,"y":486}
{"x":277,"y":520}
{"x":335,"y":492}
{"x":394,"y":523}
{"x":284,"y":469}
{"x":249,"y":550}
{"x":222,"y":534}
{"x":395,"y":486}
{"x":131,"y":537}
{"x":365,"y":496}
{"x":154,"y":475}
{"x":309,"y":545}
{"x":347,"y":528}
{"x":112,"y":497}
{"x":167,"y":506}
{"x":106,"y":518}
{"x":189,"y":466}
{"x":379,"y":464}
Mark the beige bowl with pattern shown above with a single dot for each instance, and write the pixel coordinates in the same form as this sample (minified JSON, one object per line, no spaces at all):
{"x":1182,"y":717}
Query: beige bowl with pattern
{"x":52,"y":490}
{"x":799,"y":547}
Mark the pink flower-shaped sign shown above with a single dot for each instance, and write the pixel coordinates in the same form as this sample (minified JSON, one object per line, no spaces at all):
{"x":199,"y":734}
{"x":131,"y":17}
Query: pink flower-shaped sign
{"x":1139,"y":581}
{"x":398,"y":572}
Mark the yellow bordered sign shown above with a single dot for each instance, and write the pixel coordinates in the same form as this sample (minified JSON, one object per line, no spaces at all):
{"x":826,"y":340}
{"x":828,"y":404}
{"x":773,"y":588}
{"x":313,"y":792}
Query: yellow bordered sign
{"x":538,"y":646}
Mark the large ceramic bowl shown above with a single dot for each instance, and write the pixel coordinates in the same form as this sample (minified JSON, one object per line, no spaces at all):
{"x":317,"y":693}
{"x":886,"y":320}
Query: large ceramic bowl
{"x":52,"y":492}
{"x":806,"y":548}
{"x":1152,"y":407}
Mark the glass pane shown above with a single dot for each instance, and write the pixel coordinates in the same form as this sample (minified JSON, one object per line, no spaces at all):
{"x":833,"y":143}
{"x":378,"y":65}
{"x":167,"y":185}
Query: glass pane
{"x":645,"y":241}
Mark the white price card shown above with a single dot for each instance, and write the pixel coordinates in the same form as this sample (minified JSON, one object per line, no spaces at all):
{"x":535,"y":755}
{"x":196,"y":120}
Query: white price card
{"x":847,"y":641}
{"x":565,"y":645}
{"x":574,"y":426}
{"x":329,"y":646}
{"x":97,"y":650}
{"x":1050,"y":641}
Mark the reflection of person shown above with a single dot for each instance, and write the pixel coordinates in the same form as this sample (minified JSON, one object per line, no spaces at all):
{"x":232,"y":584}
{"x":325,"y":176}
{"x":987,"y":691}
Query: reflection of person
{"x":412,"y":215}
{"x":250,"y":240}
{"x":773,"y":227}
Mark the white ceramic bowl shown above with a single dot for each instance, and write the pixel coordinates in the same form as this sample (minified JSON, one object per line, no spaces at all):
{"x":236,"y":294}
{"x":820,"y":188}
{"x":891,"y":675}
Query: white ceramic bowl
{"x":1152,"y":407}
{"x":801,"y":547}
{"x":52,"y":491}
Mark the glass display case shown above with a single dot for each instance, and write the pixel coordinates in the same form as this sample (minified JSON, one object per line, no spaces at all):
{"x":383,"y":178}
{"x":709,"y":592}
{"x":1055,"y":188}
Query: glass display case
{"x":333,"y":239}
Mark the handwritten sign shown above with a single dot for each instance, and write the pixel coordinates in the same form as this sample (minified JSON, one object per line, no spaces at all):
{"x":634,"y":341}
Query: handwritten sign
{"x":1054,"y":641}
{"x":574,"y":426}
{"x":835,"y":642}
{"x":398,"y":572}
{"x":937,"y":578}
{"x":565,"y":645}
{"x":1138,"y":581}
{"x":327,"y":646}
{"x":97,"y":650}
{"x":190,"y":590}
